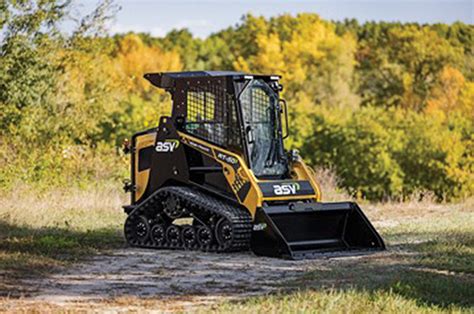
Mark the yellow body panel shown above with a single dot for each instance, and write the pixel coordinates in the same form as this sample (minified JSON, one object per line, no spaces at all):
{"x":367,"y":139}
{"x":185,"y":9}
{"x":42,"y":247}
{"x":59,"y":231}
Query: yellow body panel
{"x":235,"y":178}
{"x":303,"y":172}
{"x":141,"y":177}
{"x":240,"y":176}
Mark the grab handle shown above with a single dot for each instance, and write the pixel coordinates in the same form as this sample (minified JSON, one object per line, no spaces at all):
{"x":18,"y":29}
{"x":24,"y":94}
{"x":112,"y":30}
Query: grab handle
{"x":287,"y":132}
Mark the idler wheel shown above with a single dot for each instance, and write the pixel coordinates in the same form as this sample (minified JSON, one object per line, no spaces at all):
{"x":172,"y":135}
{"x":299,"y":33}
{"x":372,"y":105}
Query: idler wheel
{"x":224,"y":232}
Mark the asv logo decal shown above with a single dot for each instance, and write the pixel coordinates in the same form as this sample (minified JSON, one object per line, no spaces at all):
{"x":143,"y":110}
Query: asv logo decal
{"x":168,"y":146}
{"x":286,"y":188}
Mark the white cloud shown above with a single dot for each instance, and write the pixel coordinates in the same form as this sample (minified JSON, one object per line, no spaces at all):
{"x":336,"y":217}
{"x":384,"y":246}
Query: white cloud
{"x":193,"y":25}
{"x":138,"y":28}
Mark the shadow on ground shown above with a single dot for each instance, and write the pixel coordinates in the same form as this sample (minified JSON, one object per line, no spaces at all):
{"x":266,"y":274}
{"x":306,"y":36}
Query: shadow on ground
{"x":436,"y":271}
{"x":35,"y":253}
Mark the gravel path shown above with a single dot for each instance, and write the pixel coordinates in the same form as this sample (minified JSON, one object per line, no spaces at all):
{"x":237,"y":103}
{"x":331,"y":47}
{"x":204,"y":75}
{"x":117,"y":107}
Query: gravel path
{"x":163,"y":273}
{"x":164,"y":279}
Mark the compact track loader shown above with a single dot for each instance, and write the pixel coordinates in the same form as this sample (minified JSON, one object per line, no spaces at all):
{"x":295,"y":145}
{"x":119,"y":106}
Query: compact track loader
{"x":214,"y":176}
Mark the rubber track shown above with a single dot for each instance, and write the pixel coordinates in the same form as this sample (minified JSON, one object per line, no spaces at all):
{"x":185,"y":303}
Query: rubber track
{"x":192,"y":199}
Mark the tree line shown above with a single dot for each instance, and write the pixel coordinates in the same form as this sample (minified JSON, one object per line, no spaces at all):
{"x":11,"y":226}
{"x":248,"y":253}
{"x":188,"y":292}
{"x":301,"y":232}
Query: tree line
{"x":388,"y":106}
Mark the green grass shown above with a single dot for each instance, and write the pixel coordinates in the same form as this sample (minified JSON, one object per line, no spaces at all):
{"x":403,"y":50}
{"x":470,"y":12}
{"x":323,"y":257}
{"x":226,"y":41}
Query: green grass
{"x":429,"y":267}
{"x":330,"y":301}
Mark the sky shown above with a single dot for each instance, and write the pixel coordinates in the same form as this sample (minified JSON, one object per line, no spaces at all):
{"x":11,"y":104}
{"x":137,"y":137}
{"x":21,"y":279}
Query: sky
{"x":202,"y":18}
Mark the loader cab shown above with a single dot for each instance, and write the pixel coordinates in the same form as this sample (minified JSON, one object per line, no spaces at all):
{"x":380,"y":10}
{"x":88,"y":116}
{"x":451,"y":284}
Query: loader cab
{"x":239,"y":112}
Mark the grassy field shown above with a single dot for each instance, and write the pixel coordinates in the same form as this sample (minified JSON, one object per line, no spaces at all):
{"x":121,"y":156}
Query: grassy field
{"x":428,"y":267}
{"x":42,"y":232}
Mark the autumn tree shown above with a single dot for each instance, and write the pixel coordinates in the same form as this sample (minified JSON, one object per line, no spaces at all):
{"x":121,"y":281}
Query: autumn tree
{"x":134,"y":59}
{"x":309,"y":54}
{"x":400,"y":65}
{"x":450,"y":94}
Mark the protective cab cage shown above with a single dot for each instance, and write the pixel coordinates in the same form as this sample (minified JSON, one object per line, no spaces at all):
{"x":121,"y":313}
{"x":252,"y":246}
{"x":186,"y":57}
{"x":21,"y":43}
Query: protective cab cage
{"x":205,"y":104}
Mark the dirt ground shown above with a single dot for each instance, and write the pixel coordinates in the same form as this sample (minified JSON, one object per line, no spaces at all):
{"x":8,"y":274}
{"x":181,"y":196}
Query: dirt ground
{"x":131,"y":280}
{"x":170,"y":280}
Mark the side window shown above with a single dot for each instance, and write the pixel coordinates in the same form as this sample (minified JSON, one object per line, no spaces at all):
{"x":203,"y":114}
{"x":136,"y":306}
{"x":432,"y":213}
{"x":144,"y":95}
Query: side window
{"x":211,"y":116}
{"x":201,"y":108}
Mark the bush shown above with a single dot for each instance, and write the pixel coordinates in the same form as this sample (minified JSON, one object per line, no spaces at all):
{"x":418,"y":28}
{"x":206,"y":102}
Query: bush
{"x":60,"y":165}
{"x":389,"y":154}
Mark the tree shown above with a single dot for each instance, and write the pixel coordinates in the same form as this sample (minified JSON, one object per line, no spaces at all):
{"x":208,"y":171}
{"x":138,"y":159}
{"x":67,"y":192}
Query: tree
{"x":55,"y":89}
{"x":28,"y":52}
{"x":134,"y":59}
{"x":309,"y":54}
{"x":183,"y":42}
{"x":402,"y":64}
{"x":447,"y":94}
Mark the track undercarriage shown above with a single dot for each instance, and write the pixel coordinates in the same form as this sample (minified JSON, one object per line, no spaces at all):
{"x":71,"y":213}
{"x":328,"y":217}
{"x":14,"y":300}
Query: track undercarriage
{"x":183,"y":218}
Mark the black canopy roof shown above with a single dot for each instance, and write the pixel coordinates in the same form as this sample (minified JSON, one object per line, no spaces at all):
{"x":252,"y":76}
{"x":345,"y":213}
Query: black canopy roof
{"x":166,"y":79}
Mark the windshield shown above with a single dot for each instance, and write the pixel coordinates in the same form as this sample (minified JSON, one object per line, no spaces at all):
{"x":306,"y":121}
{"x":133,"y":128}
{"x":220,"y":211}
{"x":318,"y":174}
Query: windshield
{"x":261,"y":113}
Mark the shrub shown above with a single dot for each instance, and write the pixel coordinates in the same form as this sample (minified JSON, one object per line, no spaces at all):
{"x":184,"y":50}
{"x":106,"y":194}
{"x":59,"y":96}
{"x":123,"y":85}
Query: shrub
{"x":381,"y":154}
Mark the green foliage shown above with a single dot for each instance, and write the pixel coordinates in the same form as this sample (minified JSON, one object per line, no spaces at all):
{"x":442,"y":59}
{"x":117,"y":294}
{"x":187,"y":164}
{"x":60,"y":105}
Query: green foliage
{"x":68,"y":100}
{"x":183,"y":42}
{"x":402,"y":70}
{"x":381,"y":154}
{"x":26,"y":70}
{"x":431,"y":157}
{"x":55,"y":92}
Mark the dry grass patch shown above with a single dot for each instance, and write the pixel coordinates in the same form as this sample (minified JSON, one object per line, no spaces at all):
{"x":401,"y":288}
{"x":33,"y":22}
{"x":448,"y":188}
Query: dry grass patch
{"x":73,"y":209}
{"x":40,"y":232}
{"x":415,"y":209}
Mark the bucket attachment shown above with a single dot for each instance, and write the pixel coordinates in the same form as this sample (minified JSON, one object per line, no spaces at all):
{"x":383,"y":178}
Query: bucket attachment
{"x":305,"y":230}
